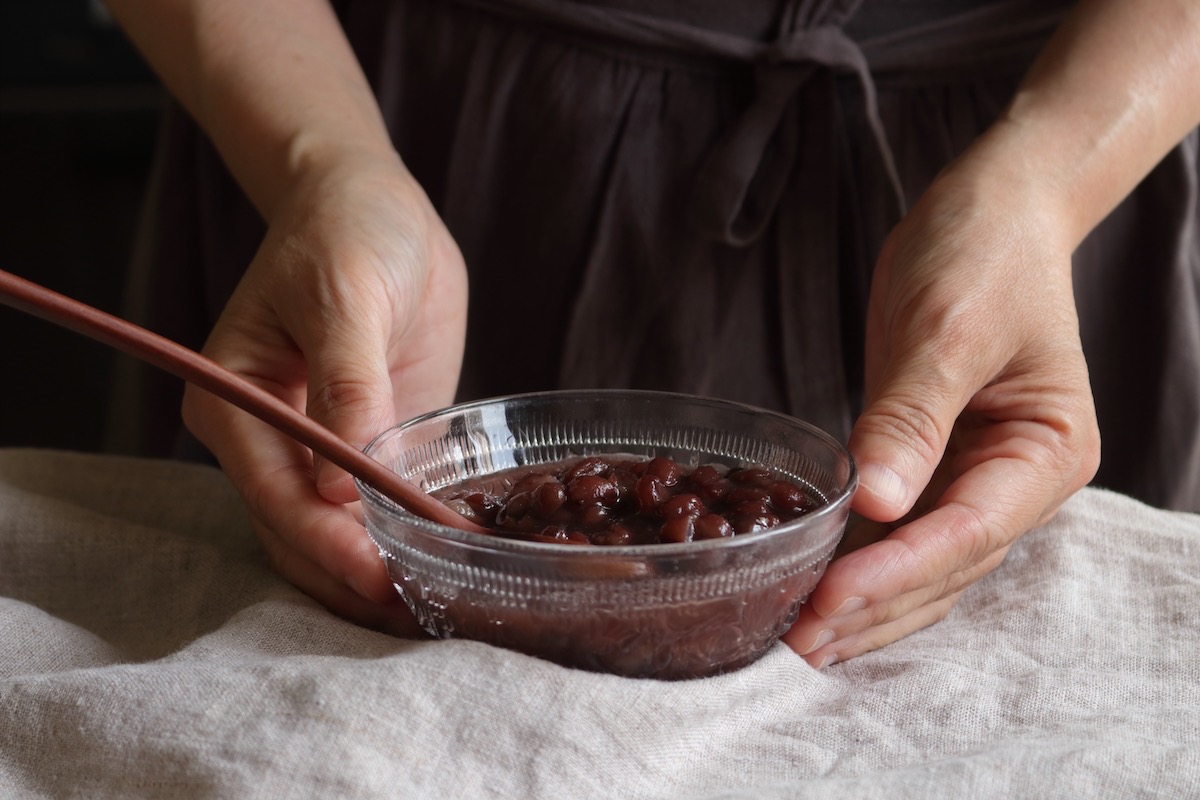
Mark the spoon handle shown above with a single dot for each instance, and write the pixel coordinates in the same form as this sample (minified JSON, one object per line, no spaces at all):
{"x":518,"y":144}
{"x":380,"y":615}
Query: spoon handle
{"x":226,"y":384}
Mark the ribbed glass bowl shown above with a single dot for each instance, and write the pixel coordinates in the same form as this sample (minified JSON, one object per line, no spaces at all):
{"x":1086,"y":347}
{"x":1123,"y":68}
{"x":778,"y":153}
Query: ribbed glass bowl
{"x":667,"y":611}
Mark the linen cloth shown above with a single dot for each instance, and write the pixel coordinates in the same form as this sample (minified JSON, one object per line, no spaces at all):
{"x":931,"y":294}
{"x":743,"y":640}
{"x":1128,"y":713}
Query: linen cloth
{"x":149,"y":652}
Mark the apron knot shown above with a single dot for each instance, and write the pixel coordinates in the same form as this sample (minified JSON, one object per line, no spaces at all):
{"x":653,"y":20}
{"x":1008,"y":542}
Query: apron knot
{"x":739,"y":185}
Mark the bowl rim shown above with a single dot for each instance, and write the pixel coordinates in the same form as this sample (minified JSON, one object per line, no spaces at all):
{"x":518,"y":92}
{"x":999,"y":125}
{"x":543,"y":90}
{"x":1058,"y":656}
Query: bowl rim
{"x":488,"y":543}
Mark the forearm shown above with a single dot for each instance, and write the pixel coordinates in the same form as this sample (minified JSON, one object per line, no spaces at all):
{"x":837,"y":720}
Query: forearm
{"x":1115,"y":89}
{"x":273,"y":83}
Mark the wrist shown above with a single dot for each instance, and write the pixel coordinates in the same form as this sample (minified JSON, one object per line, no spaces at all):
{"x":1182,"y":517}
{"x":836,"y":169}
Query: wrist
{"x":1028,"y":173}
{"x":1110,"y":95}
{"x":1001,"y":183}
{"x":316,"y":160}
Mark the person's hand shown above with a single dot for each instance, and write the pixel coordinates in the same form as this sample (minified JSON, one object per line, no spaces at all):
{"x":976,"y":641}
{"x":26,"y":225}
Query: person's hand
{"x":979,"y":421}
{"x":353,"y":310}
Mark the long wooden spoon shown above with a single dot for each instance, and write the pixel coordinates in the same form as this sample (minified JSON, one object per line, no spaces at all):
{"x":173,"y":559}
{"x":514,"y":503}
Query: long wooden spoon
{"x":226,"y":384}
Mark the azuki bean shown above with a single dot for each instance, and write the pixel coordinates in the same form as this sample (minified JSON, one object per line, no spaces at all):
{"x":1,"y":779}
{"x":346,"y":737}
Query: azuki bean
{"x":708,"y":484}
{"x":677,"y":529}
{"x":592,"y":490}
{"x":750,"y":475}
{"x":713,"y":526}
{"x":615,"y":536}
{"x":620,"y":500}
{"x":514,"y":509}
{"x":587,"y":466}
{"x":743,"y":494}
{"x":593,"y":516}
{"x":664,"y":469}
{"x":749,"y":523}
{"x":651,"y":492}
{"x":549,"y":498}
{"x":686,"y":504}
{"x":752,"y":508}
{"x":532,"y":481}
{"x":789,"y":499}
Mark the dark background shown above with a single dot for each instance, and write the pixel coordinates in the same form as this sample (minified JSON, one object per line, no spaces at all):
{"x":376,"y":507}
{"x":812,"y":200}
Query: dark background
{"x":79,"y":113}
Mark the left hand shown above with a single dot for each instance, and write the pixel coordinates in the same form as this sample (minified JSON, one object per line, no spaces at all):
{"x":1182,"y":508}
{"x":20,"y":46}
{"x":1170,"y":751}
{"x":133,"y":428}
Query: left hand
{"x":979,"y":419}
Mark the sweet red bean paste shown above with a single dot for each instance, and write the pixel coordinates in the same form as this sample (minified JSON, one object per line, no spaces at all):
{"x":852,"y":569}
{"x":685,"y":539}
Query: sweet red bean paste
{"x":627,"y":500}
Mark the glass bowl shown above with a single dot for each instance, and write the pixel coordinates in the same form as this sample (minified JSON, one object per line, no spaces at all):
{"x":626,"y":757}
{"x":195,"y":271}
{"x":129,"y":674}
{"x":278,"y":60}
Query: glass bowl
{"x":666,"y":611}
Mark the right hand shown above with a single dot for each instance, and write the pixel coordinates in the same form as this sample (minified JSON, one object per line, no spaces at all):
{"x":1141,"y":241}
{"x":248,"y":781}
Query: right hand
{"x":354,"y":311}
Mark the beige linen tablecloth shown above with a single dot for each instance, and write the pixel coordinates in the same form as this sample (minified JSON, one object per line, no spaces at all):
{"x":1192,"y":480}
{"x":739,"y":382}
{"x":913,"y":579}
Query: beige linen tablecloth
{"x":148,"y":652}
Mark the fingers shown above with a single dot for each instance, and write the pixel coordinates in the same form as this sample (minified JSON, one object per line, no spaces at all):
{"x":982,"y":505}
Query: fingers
{"x":860,"y":623}
{"x":390,"y":614}
{"x":853,"y":645}
{"x":315,"y":543}
{"x":349,"y":392}
{"x":887,"y":589}
{"x":897,"y":444}
{"x":354,"y":310}
{"x":381,"y":338}
{"x":978,"y":420}
{"x":941,"y":354}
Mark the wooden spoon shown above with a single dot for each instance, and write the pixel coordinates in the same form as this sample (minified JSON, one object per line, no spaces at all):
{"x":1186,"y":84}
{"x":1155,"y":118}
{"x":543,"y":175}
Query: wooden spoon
{"x":226,"y":384}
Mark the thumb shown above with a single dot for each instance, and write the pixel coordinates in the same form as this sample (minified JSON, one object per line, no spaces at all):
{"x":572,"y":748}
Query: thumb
{"x":349,"y":392}
{"x":900,"y":438}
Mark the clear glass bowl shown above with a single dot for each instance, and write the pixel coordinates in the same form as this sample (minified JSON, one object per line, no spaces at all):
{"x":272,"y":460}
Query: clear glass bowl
{"x":667,"y":611}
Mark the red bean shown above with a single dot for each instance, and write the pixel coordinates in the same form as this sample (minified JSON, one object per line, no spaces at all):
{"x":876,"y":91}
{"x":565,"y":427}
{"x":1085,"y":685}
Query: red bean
{"x":705,"y":475}
{"x":591,"y":490}
{"x":750,"y":523}
{"x":615,"y":536}
{"x":713,"y":526}
{"x":752,"y":508}
{"x":665,"y":470}
{"x":709,"y":484}
{"x":531,"y":481}
{"x":750,"y":475}
{"x":594,"y":516}
{"x":678,"y":529}
{"x":615,"y":500}
{"x":626,"y":482}
{"x":687,"y":504}
{"x":650,"y":494}
{"x":549,"y":498}
{"x":593,"y":465}
{"x":482,"y":501}
{"x":514,"y":508}
{"x":558,"y":534}
{"x":789,"y":499}
{"x":746,"y":494}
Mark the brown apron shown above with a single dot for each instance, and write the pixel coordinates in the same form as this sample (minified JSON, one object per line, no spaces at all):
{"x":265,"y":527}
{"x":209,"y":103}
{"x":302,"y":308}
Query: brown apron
{"x":691,"y":195}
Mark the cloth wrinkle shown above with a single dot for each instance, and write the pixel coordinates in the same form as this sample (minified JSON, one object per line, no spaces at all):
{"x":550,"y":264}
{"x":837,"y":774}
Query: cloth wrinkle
{"x":580,"y":323}
{"x":815,"y":378}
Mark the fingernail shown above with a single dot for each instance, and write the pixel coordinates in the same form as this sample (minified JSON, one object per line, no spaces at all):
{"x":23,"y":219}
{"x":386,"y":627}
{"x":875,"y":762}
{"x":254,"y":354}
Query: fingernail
{"x":361,"y":590}
{"x":828,"y":660}
{"x":849,"y":606}
{"x":886,"y":484}
{"x":823,"y":638}
{"x":356,"y":587}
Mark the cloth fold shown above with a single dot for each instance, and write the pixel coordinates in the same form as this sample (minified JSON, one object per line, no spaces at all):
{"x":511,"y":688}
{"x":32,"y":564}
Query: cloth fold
{"x":149,"y":652}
